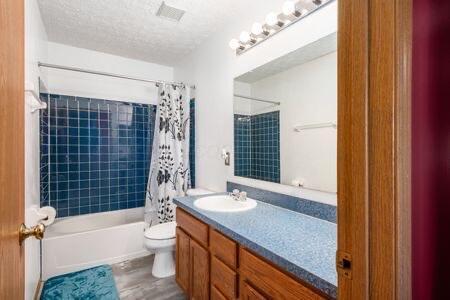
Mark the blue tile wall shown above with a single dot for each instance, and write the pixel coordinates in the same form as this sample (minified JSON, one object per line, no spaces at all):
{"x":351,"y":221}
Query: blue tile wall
{"x":257,"y":146}
{"x":95,"y":154}
{"x":192,"y":141}
{"x":242,"y":145}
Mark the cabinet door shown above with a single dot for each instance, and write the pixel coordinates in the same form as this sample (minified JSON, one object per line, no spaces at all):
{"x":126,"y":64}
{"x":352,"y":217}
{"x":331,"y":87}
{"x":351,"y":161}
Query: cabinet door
{"x":199,"y":261}
{"x":249,"y":293}
{"x":182,"y":260}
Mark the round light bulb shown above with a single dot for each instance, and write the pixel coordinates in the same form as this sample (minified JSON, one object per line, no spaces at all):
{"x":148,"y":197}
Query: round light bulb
{"x":244,"y":37}
{"x":271,"y":19}
{"x":234,"y":44}
{"x":257,"y":28}
{"x":288,"y":8}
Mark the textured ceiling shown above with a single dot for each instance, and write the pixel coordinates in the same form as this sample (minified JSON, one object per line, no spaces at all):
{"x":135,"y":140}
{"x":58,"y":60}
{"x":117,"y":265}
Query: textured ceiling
{"x":130,"y":28}
{"x":300,"y":56}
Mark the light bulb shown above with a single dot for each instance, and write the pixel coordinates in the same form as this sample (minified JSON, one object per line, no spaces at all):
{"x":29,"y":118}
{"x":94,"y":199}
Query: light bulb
{"x":257,"y":28}
{"x":244,"y":37}
{"x":288,"y":8}
{"x":234,"y":44}
{"x":271,"y":19}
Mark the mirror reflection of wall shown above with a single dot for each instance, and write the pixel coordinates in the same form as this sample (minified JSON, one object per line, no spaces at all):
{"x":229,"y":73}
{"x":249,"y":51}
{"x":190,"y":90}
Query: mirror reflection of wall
{"x":284,"y":119}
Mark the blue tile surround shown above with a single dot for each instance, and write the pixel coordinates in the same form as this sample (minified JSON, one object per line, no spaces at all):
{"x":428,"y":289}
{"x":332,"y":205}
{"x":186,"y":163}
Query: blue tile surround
{"x":242,"y":145}
{"x":297,"y":243}
{"x":311,"y":208}
{"x":257,"y":146}
{"x":95,"y":154}
{"x":192,"y":141}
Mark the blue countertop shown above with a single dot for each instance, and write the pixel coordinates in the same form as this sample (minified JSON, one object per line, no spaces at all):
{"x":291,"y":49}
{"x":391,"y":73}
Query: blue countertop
{"x":302,"y":245}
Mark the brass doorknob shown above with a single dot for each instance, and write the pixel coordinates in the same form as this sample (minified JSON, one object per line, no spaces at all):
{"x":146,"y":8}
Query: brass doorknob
{"x":36,"y":231}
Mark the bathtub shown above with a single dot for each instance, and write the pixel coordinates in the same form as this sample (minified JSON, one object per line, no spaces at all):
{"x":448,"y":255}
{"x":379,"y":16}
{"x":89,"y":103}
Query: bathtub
{"x":75,"y":243}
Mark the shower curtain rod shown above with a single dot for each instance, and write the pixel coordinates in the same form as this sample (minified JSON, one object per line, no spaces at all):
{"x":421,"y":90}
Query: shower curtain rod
{"x":257,"y":99}
{"x":52,"y":66}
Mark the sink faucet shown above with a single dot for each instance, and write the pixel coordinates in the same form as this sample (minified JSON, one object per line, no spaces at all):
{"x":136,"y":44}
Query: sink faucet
{"x":238,"y":196}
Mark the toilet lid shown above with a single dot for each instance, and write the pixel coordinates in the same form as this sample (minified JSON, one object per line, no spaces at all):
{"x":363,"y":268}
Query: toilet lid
{"x":162,"y":231}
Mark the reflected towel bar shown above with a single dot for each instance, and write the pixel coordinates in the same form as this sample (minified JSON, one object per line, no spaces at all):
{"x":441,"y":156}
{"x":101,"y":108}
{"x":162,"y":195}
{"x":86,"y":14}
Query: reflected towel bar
{"x":315,"y":126}
{"x":256,"y":99}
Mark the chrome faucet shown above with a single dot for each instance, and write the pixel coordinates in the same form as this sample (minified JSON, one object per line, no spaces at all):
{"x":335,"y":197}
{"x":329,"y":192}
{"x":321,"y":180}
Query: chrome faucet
{"x":238,"y":196}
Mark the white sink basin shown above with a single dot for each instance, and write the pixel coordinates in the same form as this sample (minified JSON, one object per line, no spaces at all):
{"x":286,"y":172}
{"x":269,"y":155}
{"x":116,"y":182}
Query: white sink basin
{"x":224,"y":203}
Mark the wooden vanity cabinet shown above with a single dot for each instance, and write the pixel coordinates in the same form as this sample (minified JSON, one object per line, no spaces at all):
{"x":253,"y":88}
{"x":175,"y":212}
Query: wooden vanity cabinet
{"x":192,"y":256}
{"x":210,"y":265}
{"x":248,"y":292}
{"x":199,"y":267}
{"x":264,"y":280}
{"x":182,"y":269}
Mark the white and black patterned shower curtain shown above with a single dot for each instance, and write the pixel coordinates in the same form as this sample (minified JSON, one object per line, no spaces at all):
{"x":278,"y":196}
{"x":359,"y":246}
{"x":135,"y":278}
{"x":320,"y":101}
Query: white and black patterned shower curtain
{"x":169,"y":168}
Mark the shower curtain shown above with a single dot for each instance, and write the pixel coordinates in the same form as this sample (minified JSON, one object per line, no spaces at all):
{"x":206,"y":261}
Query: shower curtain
{"x":169,"y":168}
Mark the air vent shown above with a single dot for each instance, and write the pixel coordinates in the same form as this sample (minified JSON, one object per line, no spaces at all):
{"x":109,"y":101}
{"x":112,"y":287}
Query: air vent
{"x":171,"y":13}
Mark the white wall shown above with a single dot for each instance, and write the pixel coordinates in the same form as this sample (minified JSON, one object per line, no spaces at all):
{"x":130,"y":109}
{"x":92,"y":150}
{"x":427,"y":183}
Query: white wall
{"x":212,"y":68}
{"x":35,"y":50}
{"x":96,"y":86}
{"x":308,"y":94}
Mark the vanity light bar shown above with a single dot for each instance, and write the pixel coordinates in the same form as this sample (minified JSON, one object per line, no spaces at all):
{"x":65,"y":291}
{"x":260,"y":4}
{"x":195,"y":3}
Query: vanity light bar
{"x":292,"y":12}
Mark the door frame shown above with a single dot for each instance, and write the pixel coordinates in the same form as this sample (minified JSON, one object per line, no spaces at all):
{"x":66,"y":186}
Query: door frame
{"x":374,"y":148}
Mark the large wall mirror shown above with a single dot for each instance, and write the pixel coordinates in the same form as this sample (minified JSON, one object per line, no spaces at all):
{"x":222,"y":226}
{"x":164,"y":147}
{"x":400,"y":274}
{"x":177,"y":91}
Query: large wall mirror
{"x":285,"y":116}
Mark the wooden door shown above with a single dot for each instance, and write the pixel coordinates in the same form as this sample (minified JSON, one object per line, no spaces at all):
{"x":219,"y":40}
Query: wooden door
{"x":250,"y":293}
{"x":11,"y":148}
{"x":199,"y":279}
{"x":374,"y":78}
{"x":182,"y":260}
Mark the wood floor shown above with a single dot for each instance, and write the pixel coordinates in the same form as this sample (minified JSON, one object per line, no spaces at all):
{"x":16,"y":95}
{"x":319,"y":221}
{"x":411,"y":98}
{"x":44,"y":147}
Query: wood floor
{"x":134,"y":280}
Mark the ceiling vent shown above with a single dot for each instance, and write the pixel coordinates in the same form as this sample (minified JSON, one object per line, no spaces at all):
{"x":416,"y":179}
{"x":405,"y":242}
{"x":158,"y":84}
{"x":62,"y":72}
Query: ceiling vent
{"x":171,"y":13}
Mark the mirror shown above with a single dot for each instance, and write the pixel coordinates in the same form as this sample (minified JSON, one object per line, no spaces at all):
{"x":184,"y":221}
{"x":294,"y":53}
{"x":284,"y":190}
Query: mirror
{"x":285,"y":116}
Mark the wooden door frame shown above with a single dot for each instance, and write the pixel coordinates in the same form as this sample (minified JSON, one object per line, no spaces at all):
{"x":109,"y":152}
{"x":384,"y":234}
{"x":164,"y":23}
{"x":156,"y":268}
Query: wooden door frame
{"x":12,"y":147}
{"x":374,"y":136}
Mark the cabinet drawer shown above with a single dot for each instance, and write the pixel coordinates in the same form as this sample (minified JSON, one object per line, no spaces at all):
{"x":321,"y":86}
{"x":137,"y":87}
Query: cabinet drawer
{"x":223,"y":248}
{"x":271,"y":280}
{"x":216,"y":294}
{"x":195,"y":228}
{"x":223,"y":278}
{"x":248,"y":292}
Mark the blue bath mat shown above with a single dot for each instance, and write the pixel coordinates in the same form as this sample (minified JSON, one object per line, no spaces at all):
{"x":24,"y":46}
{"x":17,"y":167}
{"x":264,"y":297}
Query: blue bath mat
{"x":95,"y":283}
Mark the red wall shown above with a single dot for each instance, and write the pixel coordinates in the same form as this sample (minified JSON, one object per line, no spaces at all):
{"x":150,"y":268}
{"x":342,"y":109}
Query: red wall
{"x":431,"y":149}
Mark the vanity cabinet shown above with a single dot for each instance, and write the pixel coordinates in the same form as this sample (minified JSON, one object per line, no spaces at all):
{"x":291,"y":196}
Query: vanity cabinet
{"x":192,"y":256}
{"x":182,"y":269}
{"x":248,"y":292}
{"x":210,"y":265}
{"x":199,"y":267}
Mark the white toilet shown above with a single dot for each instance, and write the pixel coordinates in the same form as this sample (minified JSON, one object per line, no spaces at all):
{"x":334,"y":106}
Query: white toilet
{"x":160,"y":239}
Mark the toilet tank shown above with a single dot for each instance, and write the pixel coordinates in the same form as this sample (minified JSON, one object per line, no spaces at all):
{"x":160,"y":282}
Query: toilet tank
{"x":198,"y":192}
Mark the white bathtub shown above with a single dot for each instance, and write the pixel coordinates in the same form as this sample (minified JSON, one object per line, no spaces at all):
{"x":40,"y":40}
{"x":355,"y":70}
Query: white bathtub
{"x":76,"y":243}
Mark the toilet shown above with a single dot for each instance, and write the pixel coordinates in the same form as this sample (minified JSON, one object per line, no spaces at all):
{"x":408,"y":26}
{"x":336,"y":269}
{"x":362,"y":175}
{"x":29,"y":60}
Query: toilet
{"x":160,"y":239}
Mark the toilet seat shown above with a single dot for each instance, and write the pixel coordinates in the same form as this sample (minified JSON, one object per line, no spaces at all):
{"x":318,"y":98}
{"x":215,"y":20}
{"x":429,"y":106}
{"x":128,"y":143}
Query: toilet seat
{"x":164,"y":231}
